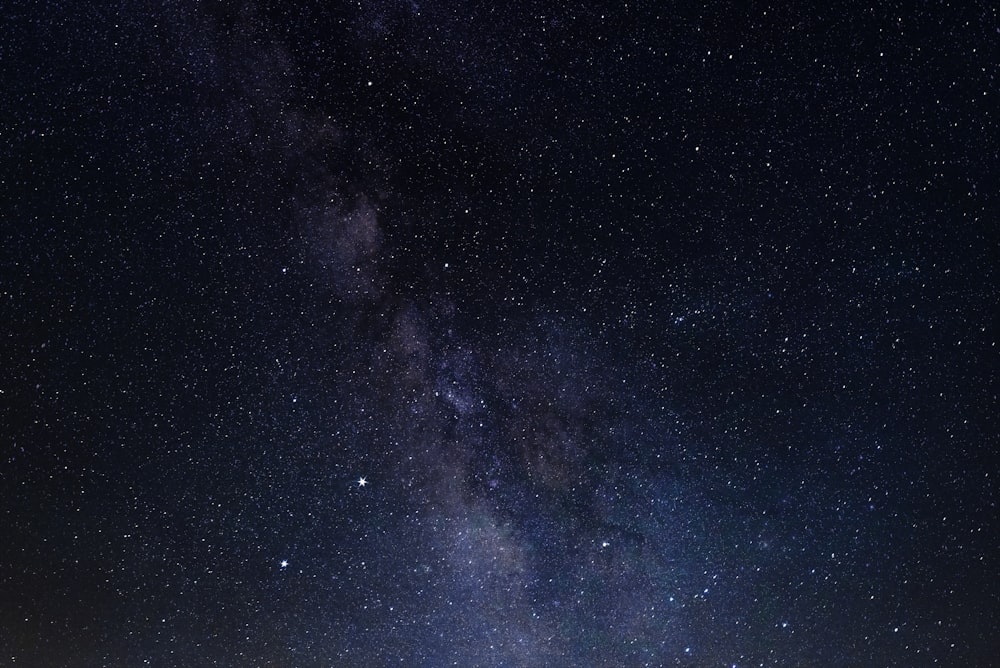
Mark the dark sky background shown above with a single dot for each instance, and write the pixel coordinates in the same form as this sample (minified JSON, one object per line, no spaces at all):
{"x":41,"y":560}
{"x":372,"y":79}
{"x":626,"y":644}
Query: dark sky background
{"x":499,"y":334}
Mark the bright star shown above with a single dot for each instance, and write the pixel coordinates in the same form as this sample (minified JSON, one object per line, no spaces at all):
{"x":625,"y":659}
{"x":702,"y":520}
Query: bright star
{"x":362,"y":482}
{"x":284,"y":563}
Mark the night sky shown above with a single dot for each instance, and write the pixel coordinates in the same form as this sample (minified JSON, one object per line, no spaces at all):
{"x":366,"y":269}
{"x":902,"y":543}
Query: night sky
{"x":432,"y":333}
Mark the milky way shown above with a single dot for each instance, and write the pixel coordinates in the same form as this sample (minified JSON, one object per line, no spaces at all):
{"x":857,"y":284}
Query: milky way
{"x":426,"y":334}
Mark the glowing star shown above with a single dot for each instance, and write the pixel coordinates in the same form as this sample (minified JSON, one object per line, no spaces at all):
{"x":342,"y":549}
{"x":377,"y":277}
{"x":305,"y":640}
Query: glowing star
{"x":362,"y":482}
{"x":284,"y":563}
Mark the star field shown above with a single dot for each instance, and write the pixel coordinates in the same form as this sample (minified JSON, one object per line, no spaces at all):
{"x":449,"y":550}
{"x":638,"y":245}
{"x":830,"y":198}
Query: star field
{"x":532,"y":334}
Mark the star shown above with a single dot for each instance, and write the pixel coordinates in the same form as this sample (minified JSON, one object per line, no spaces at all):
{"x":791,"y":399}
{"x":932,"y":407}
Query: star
{"x":284,"y":563}
{"x":362,"y":482}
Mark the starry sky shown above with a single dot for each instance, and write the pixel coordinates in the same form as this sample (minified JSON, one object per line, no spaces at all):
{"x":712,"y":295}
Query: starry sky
{"x":428,"y":333}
